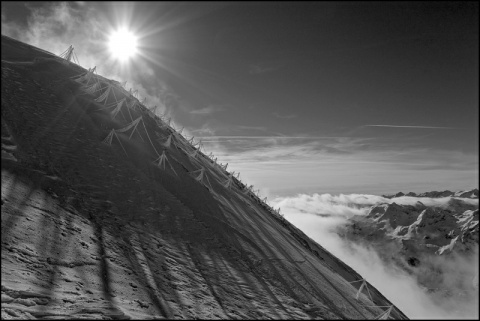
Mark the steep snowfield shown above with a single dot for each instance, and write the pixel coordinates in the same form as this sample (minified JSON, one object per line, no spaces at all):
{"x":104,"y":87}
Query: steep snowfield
{"x":97,"y":231}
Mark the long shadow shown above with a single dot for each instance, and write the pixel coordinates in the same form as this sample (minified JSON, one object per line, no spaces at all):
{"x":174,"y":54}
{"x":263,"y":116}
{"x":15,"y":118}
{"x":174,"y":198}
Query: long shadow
{"x":266,"y":235}
{"x":47,"y":247}
{"x":262,"y":252}
{"x":259,"y":278}
{"x":159,"y":301}
{"x":17,"y":212}
{"x":199,"y":266}
{"x":104,"y":269}
{"x":244,"y":278}
{"x":51,"y":249}
{"x":234,"y":237}
{"x":129,"y":253}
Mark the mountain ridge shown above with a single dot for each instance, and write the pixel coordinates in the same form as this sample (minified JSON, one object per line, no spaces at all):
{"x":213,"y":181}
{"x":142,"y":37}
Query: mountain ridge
{"x":473,"y":193}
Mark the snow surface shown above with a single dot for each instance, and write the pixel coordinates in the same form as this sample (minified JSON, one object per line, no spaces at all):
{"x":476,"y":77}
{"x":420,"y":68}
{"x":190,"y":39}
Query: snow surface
{"x":96,"y":231}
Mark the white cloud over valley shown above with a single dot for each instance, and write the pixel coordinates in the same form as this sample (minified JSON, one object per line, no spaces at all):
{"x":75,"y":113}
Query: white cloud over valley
{"x":319,"y":215}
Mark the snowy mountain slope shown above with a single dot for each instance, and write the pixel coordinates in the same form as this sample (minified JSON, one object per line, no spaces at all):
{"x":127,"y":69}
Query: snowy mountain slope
{"x":95,"y":230}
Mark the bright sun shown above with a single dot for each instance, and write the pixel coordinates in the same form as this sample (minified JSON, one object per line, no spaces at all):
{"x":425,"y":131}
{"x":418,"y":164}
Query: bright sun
{"x":123,"y":44}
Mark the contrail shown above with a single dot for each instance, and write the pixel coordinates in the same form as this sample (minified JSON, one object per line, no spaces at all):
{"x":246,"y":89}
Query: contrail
{"x":395,"y":126}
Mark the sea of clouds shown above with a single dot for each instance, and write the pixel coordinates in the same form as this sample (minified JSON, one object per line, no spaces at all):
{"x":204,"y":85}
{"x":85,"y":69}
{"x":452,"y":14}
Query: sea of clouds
{"x":319,"y":216}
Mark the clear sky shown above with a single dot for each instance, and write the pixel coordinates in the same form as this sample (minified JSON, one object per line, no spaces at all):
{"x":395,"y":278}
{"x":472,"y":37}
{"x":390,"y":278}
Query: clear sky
{"x":315,"y":97}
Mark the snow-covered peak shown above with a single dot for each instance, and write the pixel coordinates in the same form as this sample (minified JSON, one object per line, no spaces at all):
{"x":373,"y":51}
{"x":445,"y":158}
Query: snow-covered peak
{"x":396,"y":214}
{"x":467,"y":194}
{"x":437,"y":228}
{"x":473,"y":193}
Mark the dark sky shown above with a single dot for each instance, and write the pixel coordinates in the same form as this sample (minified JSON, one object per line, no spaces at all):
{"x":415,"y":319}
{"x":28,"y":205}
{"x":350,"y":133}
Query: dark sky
{"x":311,"y":70}
{"x":402,"y":64}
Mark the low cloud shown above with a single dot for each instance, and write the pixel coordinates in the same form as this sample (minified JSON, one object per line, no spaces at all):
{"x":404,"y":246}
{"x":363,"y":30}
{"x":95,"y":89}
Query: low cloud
{"x":319,"y":216}
{"x":356,"y":204}
{"x":304,"y":164}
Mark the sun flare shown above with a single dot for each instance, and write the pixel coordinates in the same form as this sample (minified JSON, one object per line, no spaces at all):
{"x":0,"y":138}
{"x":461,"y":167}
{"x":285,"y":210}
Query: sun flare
{"x":123,"y":44}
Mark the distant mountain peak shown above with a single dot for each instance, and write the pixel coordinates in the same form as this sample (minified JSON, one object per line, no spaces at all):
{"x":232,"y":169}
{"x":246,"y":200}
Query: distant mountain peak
{"x":473,"y":193}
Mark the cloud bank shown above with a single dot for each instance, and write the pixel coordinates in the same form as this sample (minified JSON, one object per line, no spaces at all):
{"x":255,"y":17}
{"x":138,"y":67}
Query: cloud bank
{"x":319,"y":215}
{"x":354,"y":204}
{"x":305,"y":163}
